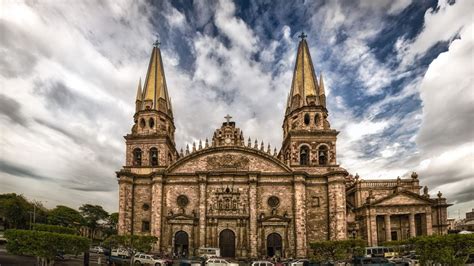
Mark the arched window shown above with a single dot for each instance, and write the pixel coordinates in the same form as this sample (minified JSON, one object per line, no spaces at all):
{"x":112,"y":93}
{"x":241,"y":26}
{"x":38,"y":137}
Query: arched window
{"x":137,"y":157}
{"x":304,"y":155}
{"x":306,"y":119}
{"x":151,"y":122}
{"x":153,"y":156}
{"x":323,"y":155}
{"x":142,"y":123}
{"x":316,"y":119}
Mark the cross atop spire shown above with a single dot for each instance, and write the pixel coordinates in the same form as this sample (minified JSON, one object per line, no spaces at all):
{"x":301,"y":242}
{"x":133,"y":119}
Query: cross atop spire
{"x":157,"y":44}
{"x":228,"y":117}
{"x":302,"y":36}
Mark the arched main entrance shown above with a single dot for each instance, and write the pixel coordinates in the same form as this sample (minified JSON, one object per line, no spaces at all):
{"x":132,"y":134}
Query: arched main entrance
{"x":274,"y":245}
{"x":181,"y":244}
{"x":227,"y":243}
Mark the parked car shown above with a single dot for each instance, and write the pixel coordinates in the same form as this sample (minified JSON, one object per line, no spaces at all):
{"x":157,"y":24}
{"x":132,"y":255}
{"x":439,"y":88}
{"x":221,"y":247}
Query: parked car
{"x":262,"y":263}
{"x":376,"y":261}
{"x":192,"y":261}
{"x":120,"y":252}
{"x":300,"y":262}
{"x":96,"y":249}
{"x":117,"y":261}
{"x":145,"y":259}
{"x":220,"y":262}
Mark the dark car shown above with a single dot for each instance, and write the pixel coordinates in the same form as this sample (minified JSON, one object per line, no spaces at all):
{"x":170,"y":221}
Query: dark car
{"x":377,"y":261}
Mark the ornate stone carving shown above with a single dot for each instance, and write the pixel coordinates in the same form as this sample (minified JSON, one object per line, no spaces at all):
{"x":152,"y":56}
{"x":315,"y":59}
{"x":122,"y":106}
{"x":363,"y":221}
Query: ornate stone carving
{"x":227,"y":202}
{"x":227,"y":161}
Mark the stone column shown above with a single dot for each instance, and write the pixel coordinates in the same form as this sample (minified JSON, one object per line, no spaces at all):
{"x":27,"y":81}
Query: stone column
{"x":411,"y":220}
{"x":156,"y":209}
{"x":429,"y":223}
{"x":124,"y":223}
{"x":388,"y":228}
{"x":300,"y":215}
{"x":371,"y":227}
{"x":253,"y":214}
{"x":202,"y":209}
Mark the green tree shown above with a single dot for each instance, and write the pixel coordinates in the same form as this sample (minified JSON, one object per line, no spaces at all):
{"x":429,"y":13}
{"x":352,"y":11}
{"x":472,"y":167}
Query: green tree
{"x":65,"y":216}
{"x":332,"y":251}
{"x":93,"y":214}
{"x":44,"y":245}
{"x":111,"y":226}
{"x":15,"y":210}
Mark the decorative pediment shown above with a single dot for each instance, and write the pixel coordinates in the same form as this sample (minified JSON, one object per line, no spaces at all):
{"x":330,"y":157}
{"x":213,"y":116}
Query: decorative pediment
{"x":182,"y":218}
{"x":402,"y":198}
{"x":232,"y":158}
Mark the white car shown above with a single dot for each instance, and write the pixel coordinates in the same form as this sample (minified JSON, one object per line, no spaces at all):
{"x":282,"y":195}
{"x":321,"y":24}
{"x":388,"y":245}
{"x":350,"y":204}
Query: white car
{"x":145,"y":259}
{"x":96,"y":249}
{"x":119,"y":252}
{"x":262,"y":263}
{"x":301,"y":262}
{"x":220,"y":262}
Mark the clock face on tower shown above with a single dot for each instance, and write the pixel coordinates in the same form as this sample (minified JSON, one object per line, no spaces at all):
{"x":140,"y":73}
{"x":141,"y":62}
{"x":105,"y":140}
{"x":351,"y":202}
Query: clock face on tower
{"x":227,"y":140}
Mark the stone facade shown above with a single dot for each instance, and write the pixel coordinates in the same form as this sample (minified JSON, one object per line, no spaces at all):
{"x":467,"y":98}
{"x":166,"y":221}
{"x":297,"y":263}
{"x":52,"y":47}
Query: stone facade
{"x":240,"y":196}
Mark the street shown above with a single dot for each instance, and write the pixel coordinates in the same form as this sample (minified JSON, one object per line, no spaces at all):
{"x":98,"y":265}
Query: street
{"x":9,"y":259}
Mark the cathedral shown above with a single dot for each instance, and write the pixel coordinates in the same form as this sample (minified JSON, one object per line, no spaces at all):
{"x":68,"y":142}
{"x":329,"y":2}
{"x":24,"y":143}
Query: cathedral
{"x":250,"y":201}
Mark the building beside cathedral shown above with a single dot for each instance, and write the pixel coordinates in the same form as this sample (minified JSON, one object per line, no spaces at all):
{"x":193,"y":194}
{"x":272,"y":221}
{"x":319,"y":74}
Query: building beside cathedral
{"x":249,"y":201}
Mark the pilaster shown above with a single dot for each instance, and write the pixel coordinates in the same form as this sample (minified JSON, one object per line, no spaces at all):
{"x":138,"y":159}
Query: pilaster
{"x":156,"y":209}
{"x":202,"y":209}
{"x":300,"y":215}
{"x":337,"y":207}
{"x":253,"y":214}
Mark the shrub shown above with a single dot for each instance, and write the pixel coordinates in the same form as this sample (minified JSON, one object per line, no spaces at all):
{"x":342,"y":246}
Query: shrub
{"x":44,"y":245}
{"x":55,"y":229}
{"x":331,"y":251}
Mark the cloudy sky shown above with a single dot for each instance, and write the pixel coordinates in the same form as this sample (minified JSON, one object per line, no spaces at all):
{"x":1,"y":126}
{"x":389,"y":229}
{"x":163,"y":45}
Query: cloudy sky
{"x":399,"y":78}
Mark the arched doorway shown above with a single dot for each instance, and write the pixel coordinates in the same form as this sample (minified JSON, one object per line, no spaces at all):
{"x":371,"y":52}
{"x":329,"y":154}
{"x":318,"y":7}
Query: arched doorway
{"x":227,"y":243}
{"x":274,"y":245}
{"x":181,"y":244}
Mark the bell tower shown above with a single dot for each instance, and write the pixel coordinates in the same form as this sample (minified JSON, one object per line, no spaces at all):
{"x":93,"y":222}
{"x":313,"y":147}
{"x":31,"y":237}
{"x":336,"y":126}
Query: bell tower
{"x":308,"y":140}
{"x":151,"y":143}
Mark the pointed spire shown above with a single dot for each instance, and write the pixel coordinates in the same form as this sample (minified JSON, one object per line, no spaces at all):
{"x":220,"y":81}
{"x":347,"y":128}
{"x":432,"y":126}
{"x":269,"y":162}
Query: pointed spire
{"x":181,"y":154}
{"x":155,"y":92}
{"x":194,"y":146}
{"x":139,"y":91}
{"x":256,"y":144}
{"x":322,"y":92}
{"x":207,"y":143}
{"x":275,"y":152}
{"x":200,"y":145}
{"x":187,"y":149}
{"x":249,"y":144}
{"x":261,"y":146}
{"x":304,"y":87}
{"x":268,"y":148}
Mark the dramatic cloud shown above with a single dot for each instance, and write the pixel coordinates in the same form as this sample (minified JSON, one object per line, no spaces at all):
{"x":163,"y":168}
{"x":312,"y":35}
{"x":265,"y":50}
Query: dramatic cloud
{"x":398,"y":77}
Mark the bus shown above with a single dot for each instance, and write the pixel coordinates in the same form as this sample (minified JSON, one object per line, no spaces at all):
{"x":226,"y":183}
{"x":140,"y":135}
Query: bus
{"x":209,"y":252}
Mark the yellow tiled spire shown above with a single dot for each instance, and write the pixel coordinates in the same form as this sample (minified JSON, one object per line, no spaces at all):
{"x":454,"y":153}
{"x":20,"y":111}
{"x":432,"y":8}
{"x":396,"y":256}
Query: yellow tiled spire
{"x":304,"y":82}
{"x":322,"y":92}
{"x":139,"y":91}
{"x":155,"y":92}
